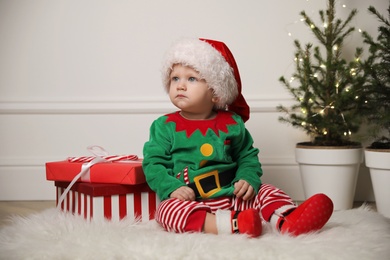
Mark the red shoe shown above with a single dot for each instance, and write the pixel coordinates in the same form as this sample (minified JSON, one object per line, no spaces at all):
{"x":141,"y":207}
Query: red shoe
{"x":308,"y":217}
{"x":246,"y":222}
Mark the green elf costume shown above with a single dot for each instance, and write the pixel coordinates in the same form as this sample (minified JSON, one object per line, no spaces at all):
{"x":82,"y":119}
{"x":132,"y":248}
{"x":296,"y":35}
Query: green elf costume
{"x":211,"y":155}
{"x":204,"y":155}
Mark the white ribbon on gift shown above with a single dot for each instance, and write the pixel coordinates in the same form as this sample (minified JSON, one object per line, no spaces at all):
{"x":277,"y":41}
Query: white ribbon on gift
{"x":84,"y":174}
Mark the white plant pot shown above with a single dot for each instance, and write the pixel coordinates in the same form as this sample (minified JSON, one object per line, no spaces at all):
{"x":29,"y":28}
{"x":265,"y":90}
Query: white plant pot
{"x":378,"y":161}
{"x":330,"y":170}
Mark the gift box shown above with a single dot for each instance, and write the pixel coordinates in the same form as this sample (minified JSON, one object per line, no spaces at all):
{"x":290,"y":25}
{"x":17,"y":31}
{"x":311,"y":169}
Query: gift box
{"x":109,"y":201}
{"x":121,"y":172}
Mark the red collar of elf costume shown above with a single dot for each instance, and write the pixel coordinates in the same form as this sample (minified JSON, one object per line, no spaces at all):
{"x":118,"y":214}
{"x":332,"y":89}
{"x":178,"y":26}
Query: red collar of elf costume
{"x":219,"y":123}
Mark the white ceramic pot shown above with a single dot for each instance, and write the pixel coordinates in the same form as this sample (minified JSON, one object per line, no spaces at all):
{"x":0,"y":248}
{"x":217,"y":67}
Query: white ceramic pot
{"x":330,"y":170}
{"x":378,"y":161}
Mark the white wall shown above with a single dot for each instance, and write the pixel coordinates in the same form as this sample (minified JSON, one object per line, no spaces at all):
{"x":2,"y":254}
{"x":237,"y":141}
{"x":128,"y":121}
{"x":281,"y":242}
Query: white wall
{"x":80,"y":72}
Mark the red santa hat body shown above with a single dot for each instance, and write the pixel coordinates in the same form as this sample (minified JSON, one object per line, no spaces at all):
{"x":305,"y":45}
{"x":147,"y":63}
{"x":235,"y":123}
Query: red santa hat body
{"x":215,"y":63}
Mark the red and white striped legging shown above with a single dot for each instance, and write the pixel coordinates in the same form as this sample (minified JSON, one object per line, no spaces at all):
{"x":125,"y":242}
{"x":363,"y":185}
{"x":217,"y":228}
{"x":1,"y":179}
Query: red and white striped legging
{"x":183,"y":216}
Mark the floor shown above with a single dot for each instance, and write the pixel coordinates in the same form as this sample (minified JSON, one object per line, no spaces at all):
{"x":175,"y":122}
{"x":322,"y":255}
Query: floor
{"x":24,"y":208}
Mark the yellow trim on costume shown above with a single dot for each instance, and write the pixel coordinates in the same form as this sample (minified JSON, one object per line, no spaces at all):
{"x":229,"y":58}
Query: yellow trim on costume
{"x":206,"y":149}
{"x":199,"y":186}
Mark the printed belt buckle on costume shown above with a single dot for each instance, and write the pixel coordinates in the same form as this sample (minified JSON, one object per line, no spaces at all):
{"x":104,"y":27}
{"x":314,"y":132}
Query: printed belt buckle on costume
{"x":198,"y":179}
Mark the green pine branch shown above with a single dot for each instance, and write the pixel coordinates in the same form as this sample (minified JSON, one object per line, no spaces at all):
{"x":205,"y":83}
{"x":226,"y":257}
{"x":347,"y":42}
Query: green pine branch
{"x":377,"y":90}
{"x":327,"y":89}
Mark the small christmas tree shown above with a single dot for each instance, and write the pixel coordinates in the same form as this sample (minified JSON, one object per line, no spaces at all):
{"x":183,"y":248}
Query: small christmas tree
{"x":377,"y":108}
{"x":328,"y":94}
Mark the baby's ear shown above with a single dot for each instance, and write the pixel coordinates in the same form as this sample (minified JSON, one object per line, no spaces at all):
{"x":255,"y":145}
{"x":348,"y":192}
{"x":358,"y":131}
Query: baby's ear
{"x":215,"y":99}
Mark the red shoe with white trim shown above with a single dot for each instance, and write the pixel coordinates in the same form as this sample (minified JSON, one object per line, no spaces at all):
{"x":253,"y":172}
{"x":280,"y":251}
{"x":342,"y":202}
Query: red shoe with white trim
{"x":308,"y":217}
{"x":246,"y":222}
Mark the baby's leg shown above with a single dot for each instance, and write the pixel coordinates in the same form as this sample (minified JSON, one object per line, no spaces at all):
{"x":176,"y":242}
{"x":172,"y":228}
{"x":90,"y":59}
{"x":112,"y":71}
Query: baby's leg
{"x":210,"y":224}
{"x":179,"y":216}
{"x":277,"y":208}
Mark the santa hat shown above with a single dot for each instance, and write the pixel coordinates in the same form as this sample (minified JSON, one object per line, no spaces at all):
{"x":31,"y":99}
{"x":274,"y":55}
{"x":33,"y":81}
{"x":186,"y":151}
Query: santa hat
{"x":215,"y":63}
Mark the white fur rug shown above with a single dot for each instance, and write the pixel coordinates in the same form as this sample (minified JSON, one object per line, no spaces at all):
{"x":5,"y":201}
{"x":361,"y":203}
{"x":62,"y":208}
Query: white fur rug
{"x":352,"y":234}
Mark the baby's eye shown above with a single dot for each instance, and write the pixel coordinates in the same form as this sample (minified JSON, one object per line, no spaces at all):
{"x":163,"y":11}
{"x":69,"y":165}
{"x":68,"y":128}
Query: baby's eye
{"x":192,"y":79}
{"x":175,"y":78}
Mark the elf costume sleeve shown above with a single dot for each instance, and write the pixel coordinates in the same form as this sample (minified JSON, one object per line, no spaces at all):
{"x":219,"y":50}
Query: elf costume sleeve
{"x":180,"y":151}
{"x":246,"y":156}
{"x":157,"y":162}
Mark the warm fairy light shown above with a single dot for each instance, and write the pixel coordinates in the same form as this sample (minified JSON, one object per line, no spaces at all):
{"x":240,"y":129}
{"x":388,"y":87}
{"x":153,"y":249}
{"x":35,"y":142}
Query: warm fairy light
{"x":322,"y":111}
{"x":347,"y":133}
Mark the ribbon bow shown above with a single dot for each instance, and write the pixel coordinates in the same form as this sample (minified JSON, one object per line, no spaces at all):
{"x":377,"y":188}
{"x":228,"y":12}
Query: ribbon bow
{"x":99,"y":151}
{"x":101,"y":155}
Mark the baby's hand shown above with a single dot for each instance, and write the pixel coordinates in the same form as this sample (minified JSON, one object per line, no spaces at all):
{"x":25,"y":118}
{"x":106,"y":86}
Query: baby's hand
{"x":183,"y":193}
{"x":242,"y":189}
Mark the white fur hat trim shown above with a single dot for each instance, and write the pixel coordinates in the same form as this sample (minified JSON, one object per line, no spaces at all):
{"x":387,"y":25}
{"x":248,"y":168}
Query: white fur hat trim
{"x":206,"y":60}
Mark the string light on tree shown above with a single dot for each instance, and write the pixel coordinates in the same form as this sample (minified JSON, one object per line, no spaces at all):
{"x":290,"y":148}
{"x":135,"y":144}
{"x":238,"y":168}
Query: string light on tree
{"x":325,"y":85}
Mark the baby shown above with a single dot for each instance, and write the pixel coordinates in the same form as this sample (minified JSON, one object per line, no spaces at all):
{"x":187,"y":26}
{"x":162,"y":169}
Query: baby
{"x":201,"y":161}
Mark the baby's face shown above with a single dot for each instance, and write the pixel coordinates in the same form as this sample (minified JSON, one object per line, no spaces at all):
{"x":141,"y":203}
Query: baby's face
{"x":189,"y":92}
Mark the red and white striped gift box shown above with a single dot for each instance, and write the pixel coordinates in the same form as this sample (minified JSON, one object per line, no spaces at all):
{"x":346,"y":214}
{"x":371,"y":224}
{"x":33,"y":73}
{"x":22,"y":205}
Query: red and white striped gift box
{"x":110,"y":201}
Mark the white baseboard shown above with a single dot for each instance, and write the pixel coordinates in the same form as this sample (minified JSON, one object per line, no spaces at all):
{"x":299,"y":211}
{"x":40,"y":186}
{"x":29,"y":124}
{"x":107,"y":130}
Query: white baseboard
{"x":137,"y":105}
